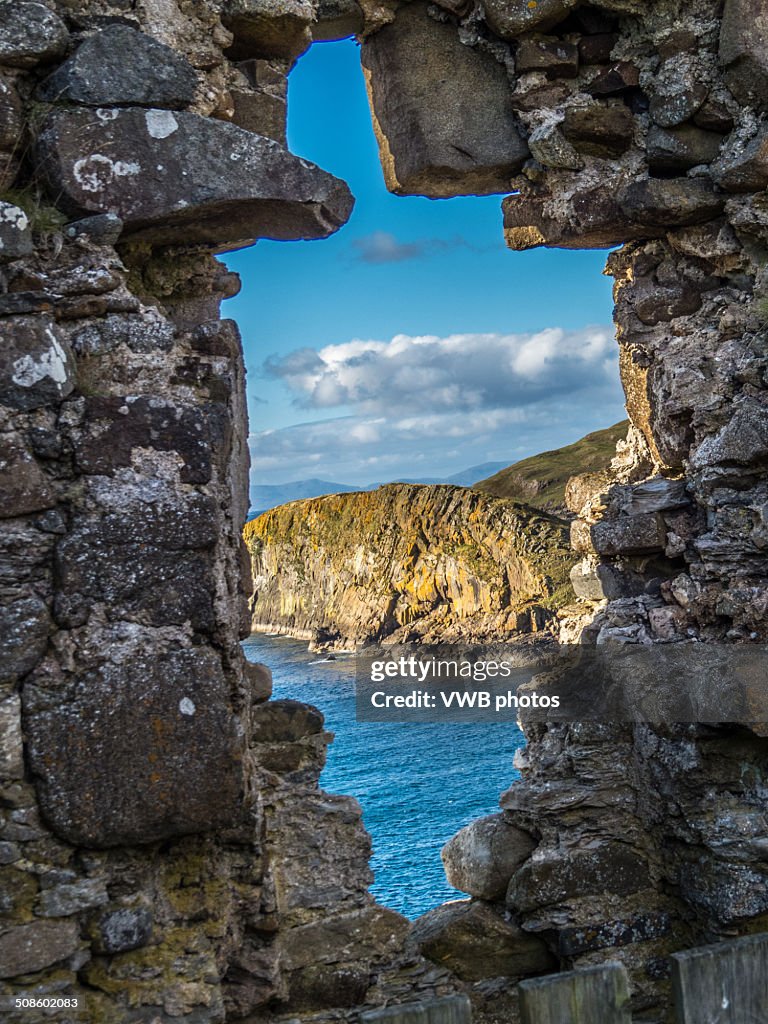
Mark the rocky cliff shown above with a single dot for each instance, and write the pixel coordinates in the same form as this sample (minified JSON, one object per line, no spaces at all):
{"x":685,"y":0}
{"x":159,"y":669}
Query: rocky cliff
{"x":407,"y":562}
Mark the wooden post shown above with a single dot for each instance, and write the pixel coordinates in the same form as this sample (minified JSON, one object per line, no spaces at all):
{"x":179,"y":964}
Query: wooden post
{"x":590,"y":995}
{"x":722,"y":984}
{"x":448,"y":1010}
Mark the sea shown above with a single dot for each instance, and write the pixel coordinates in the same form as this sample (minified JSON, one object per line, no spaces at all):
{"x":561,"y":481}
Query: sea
{"x":417,"y":784}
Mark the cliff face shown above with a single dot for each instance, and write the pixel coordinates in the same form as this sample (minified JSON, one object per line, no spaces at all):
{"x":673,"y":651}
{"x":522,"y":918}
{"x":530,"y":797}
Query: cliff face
{"x":407,"y":562}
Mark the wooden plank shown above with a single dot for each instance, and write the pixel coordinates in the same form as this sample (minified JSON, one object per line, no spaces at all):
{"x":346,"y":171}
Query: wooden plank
{"x":723,"y":984}
{"x":590,"y":995}
{"x":447,"y":1010}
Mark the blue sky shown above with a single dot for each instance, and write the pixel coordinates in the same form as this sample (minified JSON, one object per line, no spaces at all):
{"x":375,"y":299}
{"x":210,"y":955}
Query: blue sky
{"x":412,"y":342}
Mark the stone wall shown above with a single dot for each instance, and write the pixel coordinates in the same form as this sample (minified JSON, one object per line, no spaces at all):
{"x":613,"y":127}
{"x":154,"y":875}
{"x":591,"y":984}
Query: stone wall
{"x":166,"y":852}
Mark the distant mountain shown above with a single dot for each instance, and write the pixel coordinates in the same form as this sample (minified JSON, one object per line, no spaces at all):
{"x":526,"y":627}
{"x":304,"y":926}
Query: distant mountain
{"x":266,"y":496}
{"x":540,"y":480}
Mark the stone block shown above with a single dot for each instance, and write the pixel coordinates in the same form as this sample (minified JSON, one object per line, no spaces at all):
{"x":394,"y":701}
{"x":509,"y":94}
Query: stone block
{"x":676,"y":150}
{"x":260,"y":112}
{"x":594,"y":221}
{"x":138,"y":750}
{"x":29,"y":948}
{"x":15,"y":232}
{"x":617,"y":79}
{"x":477,"y":942}
{"x":269,"y":28}
{"x":743,"y":441}
{"x":119,"y":931}
{"x":559,"y":875}
{"x":11,"y":746}
{"x":677,"y":91}
{"x":70,"y":898}
{"x":744,"y":168}
{"x":597,"y":49}
{"x":744,"y":51}
{"x":511,"y":18}
{"x":176,"y":177}
{"x":259,"y":678}
{"x":442,"y":111}
{"x":285,"y":721}
{"x":674,"y":202}
{"x":24,"y":488}
{"x":482,"y":857}
{"x":36,"y":365}
{"x":552,"y":57}
{"x":120,"y":66}
{"x":337,"y":19}
{"x":602,"y":129}
{"x":629,"y":535}
{"x":30,"y":34}
{"x":575,"y":940}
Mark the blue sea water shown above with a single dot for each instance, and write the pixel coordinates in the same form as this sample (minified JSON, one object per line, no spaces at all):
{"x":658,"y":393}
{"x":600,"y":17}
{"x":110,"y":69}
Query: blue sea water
{"x":417,"y":784}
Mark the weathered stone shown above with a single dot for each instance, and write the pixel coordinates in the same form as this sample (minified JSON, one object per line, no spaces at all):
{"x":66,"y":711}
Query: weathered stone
{"x":482,"y":857}
{"x":442,"y":111}
{"x":656,"y":495}
{"x":11,"y":747}
{"x":30,"y":33}
{"x":595,"y":221}
{"x":672,"y":202}
{"x":676,"y":91}
{"x":269,"y":28}
{"x":549,"y":146}
{"x":618,"y":78}
{"x":744,"y":50}
{"x":179,"y":177}
{"x":15,"y":233}
{"x":678,"y":149}
{"x":510,"y":18}
{"x":554,"y":57}
{"x":259,"y":681}
{"x":597,"y":49}
{"x":102,"y":228}
{"x":476,"y":942}
{"x":744,"y":168}
{"x":558,"y":875}
{"x":11,"y":116}
{"x":602,"y":582}
{"x":337,"y":19}
{"x":367,"y":932}
{"x":629,"y":535}
{"x":36,"y":366}
{"x":655,"y":304}
{"x":259,"y":112}
{"x":120,"y":66}
{"x":285,"y":721}
{"x":742,"y":441}
{"x":71,"y":898}
{"x":603,"y":129}
{"x":141,"y":749}
{"x":122,"y":930}
{"x":28,"y":948}
{"x":23,"y":486}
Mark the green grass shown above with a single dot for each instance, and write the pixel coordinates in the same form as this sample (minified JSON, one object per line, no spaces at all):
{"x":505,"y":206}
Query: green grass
{"x":540,"y":480}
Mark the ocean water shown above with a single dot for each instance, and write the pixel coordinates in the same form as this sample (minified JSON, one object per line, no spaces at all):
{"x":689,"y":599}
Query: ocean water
{"x":417,"y":784}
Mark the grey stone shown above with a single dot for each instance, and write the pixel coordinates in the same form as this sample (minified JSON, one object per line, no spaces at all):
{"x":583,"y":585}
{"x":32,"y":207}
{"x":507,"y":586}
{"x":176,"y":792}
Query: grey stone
{"x":24,"y":488}
{"x":656,"y":495}
{"x":11,"y":115}
{"x":102,"y":228}
{"x":140,"y":750}
{"x":477,"y":942}
{"x":679,"y":149}
{"x":15,"y":232}
{"x":260,"y":112}
{"x":30,"y":33}
{"x":742,"y":441}
{"x":744,"y":168}
{"x":676,"y":92}
{"x":578,"y":939}
{"x":120,"y":66}
{"x":11,"y":747}
{"x":604,"y":582}
{"x":28,"y":948}
{"x":9,"y":853}
{"x":510,"y":18}
{"x":671,"y":202}
{"x":555,"y":58}
{"x":269,"y":28}
{"x":482,"y":857}
{"x":178,"y":177}
{"x":629,"y":535}
{"x":70,"y":898}
{"x":594,"y":221}
{"x":442,"y":111}
{"x":744,"y":50}
{"x":36,"y":365}
{"x":123,"y":930}
{"x":337,"y":19}
{"x":549,"y":146}
{"x":603,"y":129}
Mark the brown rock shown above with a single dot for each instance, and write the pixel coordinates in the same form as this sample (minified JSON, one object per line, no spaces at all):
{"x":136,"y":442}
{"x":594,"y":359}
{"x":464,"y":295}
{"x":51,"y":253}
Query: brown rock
{"x":141,"y":749}
{"x":476,"y":942}
{"x":603,"y":129}
{"x":23,"y":486}
{"x":744,"y":50}
{"x":510,"y":18}
{"x":678,"y":149}
{"x":269,"y":28}
{"x":442,"y":111}
{"x":597,"y":49}
{"x":554,"y":57}
{"x":259,"y":681}
{"x":482,"y":857}
{"x":260,"y":113}
{"x":744,"y":168}
{"x":594,"y":221}
{"x":36,"y":365}
{"x":29,"y":948}
{"x":672,"y":202}
{"x":337,"y":19}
